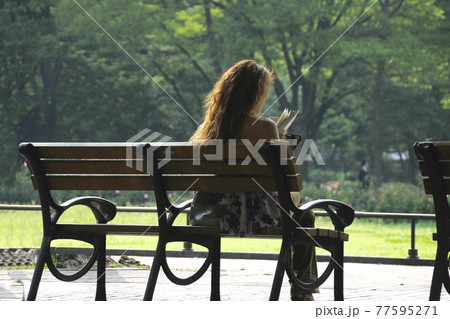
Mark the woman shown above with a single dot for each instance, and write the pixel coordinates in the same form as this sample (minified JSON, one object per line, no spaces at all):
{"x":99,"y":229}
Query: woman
{"x":232,"y":112}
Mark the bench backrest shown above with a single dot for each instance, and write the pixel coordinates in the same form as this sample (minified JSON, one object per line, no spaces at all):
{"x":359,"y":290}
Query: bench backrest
{"x":436,"y":154}
{"x":127,"y":166}
{"x":434,"y":163}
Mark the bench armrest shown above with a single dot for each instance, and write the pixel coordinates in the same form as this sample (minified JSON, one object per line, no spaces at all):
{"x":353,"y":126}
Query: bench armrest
{"x":184,"y":205}
{"x":103,"y":210}
{"x":175,"y":210}
{"x":341,"y":214}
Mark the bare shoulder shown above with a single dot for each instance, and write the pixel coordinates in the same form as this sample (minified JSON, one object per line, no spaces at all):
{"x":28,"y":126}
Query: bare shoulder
{"x":265,"y":122}
{"x":260,"y":128}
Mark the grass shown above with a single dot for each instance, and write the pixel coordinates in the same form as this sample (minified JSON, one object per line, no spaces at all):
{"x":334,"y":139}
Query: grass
{"x":368,"y":237}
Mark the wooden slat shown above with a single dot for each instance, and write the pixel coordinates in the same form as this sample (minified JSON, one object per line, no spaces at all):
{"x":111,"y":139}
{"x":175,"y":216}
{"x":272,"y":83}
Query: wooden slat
{"x":183,"y":150}
{"x":427,"y":186}
{"x":444,"y":166}
{"x":184,"y":166}
{"x":84,"y":150}
{"x":173,"y":183}
{"x":303,"y":233}
{"x":134,"y":230}
{"x":92,"y":166}
{"x":443,"y":150}
{"x":322,"y":232}
{"x":179,"y":150}
{"x":177,"y":166}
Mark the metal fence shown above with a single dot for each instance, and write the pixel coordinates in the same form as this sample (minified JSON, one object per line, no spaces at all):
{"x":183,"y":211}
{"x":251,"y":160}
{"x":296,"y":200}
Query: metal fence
{"x":413,"y":218}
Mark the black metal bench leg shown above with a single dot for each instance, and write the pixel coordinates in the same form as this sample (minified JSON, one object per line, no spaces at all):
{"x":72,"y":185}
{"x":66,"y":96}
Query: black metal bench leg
{"x":215,"y":273}
{"x":279,"y":272}
{"x":101,"y":270}
{"x":339,"y":273}
{"x":440,"y":266}
{"x":156,"y":265}
{"x":39,"y":268}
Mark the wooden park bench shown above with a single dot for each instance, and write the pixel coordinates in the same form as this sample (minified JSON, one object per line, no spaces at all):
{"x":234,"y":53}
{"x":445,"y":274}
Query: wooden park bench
{"x":145,"y":166}
{"x":434,"y":164}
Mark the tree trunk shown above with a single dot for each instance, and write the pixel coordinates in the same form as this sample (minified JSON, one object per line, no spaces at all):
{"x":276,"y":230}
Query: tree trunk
{"x":211,"y":39}
{"x":412,"y":167}
{"x":378,"y":100}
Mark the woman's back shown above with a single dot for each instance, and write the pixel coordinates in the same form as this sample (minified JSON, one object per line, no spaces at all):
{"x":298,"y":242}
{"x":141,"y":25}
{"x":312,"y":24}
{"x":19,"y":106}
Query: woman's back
{"x":239,"y":213}
{"x":232,"y":109}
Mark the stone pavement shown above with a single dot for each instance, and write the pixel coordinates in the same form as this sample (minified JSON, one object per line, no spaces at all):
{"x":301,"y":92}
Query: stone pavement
{"x":241,"y":280}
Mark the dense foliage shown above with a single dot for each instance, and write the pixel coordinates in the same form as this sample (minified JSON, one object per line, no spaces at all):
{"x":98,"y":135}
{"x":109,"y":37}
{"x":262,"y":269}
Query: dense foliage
{"x":390,"y":197}
{"x":368,"y":77}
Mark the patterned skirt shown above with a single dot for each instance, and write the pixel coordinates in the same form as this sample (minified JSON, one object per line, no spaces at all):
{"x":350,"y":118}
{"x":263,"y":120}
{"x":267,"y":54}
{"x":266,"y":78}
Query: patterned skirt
{"x":237,"y":213}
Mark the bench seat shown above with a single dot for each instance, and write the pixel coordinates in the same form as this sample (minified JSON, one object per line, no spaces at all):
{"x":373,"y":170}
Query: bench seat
{"x":145,"y":230}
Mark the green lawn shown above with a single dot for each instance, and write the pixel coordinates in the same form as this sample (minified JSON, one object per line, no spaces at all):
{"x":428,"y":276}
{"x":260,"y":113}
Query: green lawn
{"x":368,"y":237}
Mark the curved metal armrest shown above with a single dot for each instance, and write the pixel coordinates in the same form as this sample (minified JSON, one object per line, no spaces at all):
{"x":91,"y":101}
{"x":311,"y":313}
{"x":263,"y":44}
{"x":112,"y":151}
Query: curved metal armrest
{"x":103,"y":210}
{"x":341,"y":214}
{"x":184,"y":205}
{"x":175,"y":210}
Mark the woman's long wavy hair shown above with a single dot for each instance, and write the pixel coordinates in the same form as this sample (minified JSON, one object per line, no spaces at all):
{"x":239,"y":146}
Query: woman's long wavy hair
{"x":239,"y":93}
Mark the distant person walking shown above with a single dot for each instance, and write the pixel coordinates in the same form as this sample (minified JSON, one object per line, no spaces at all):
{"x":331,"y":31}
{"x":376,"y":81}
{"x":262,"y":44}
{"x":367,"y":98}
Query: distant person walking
{"x":363,"y":172}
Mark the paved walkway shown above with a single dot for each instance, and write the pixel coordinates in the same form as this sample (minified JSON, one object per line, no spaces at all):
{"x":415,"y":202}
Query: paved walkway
{"x":241,"y":280}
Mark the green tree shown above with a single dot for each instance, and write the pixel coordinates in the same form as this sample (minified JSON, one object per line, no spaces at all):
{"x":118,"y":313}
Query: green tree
{"x":31,"y":63}
{"x":396,"y":45}
{"x":63,"y":78}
